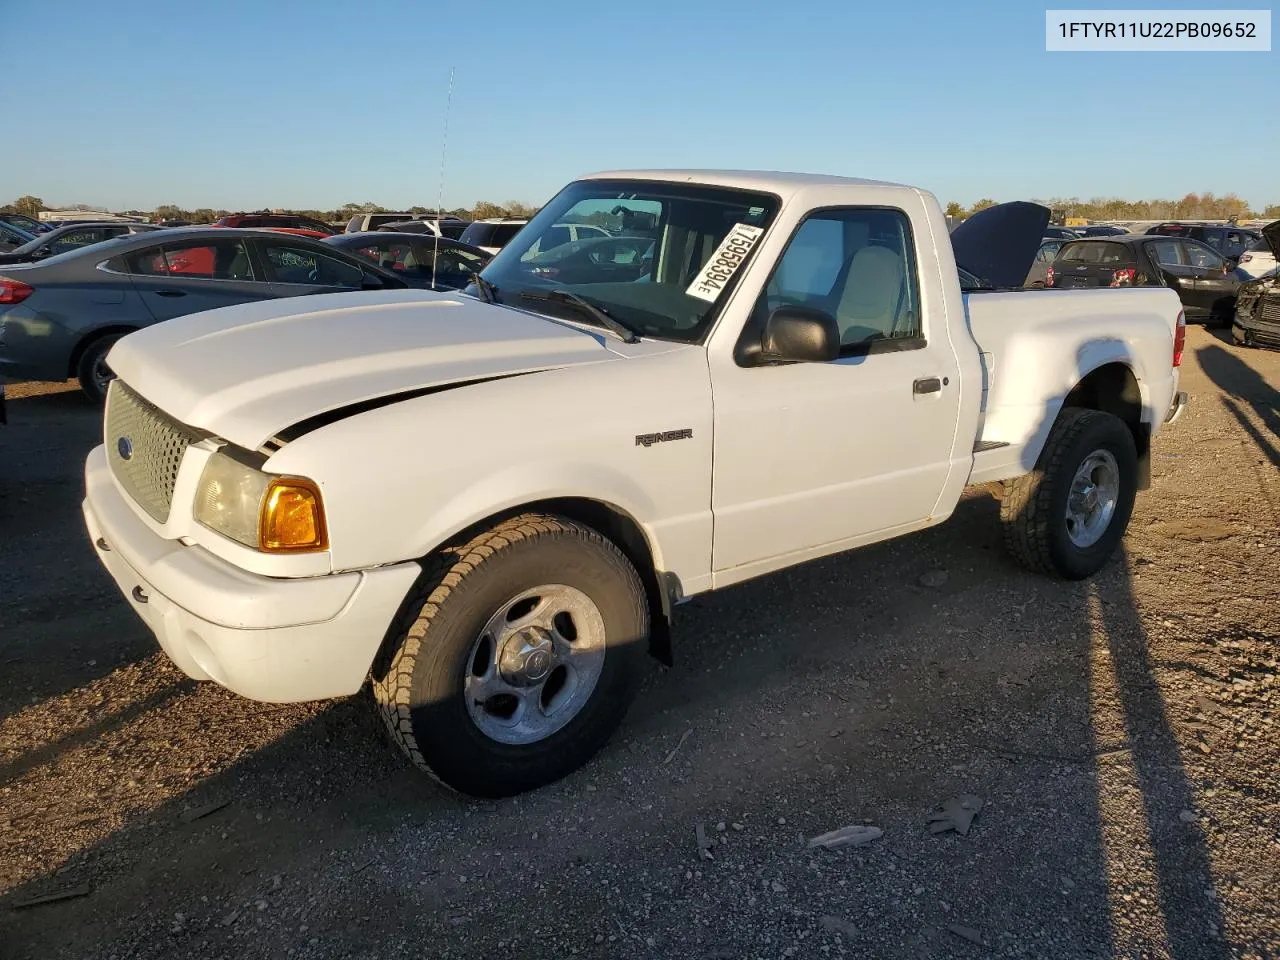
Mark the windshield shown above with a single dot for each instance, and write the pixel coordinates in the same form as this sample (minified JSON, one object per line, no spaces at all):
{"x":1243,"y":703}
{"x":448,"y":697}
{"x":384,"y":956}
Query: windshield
{"x":663,"y":256}
{"x":15,"y":232}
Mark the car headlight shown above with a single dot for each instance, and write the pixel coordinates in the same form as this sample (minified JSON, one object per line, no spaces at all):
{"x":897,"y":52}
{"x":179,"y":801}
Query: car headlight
{"x":270,"y":513}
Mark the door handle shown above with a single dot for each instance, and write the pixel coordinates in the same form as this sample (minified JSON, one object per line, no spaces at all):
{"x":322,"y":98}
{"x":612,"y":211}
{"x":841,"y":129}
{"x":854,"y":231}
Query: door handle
{"x":928,"y":385}
{"x":171,"y":293}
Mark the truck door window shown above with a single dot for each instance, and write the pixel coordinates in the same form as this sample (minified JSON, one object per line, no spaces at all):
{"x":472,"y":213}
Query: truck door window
{"x":858,"y":265}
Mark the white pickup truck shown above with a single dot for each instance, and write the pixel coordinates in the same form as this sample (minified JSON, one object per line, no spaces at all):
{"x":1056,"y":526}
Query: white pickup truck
{"x":489,"y":502}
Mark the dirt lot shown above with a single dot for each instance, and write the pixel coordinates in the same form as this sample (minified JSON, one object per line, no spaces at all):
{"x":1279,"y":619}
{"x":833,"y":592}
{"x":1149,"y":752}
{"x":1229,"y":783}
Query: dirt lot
{"x":1121,"y":733}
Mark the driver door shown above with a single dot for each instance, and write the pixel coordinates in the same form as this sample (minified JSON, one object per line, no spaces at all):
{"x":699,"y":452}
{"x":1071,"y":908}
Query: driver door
{"x":815,"y":457}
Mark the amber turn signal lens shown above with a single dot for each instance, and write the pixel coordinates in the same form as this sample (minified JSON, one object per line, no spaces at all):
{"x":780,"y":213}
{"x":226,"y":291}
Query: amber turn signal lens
{"x":292,"y":517}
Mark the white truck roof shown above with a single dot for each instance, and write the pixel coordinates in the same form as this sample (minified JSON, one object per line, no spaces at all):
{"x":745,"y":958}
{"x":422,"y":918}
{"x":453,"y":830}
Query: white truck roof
{"x":773,"y":181}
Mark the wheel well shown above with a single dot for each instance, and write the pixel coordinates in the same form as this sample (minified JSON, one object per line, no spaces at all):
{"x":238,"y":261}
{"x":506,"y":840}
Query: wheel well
{"x":73,"y":368}
{"x":626,"y":534}
{"x":1113,"y":389}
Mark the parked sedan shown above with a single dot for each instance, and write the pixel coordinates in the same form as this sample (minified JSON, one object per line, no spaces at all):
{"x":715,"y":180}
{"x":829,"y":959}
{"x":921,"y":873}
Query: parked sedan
{"x":1049,"y":248}
{"x":1206,"y":282}
{"x":30,"y":224}
{"x":59,"y":317}
{"x":65,"y":239}
{"x":450,"y":227}
{"x":597,"y":260}
{"x":12,"y":237}
{"x":1062,"y":233}
{"x":1101,"y":230}
{"x":420,"y":261}
{"x":292,"y":223}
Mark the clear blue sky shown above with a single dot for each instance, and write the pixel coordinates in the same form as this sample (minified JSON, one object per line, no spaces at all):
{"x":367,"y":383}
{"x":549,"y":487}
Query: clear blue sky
{"x":314,"y":103}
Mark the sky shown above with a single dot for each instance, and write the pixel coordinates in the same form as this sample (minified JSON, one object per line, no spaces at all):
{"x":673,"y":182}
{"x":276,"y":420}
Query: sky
{"x":243,"y":104}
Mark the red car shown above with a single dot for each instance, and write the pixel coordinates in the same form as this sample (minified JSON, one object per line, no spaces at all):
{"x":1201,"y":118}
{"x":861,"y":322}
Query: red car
{"x":284,"y":223}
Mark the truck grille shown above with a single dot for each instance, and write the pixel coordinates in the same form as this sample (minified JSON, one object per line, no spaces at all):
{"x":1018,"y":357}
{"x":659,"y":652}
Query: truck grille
{"x":145,"y":448}
{"x":1269,"y":309}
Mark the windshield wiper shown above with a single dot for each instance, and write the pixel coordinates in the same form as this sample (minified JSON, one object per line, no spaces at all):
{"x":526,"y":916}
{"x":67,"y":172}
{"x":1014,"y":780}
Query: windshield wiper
{"x":624,"y":333}
{"x":488,"y":292}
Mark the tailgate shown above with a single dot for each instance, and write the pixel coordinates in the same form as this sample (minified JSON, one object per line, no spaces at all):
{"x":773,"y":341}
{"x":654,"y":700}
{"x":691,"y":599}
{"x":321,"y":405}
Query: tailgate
{"x":1071,"y":275}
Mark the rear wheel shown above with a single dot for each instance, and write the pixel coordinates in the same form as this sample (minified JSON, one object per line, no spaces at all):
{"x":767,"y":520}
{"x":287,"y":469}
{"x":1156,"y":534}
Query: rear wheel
{"x":1068,"y":515}
{"x":516,"y":657}
{"x":92,"y":370}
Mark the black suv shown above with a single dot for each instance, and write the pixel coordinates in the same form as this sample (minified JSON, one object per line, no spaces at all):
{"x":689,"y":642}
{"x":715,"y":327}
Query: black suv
{"x":1205,"y":281}
{"x":1228,"y":240}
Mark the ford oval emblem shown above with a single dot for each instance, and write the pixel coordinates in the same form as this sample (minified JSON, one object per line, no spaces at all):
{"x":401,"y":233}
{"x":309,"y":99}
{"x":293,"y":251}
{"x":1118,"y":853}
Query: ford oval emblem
{"x":124,"y":447}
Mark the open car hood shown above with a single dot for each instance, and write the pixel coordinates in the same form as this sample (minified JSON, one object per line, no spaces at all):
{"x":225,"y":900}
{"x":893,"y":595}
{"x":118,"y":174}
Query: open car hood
{"x":1271,"y":233}
{"x":999,"y":244}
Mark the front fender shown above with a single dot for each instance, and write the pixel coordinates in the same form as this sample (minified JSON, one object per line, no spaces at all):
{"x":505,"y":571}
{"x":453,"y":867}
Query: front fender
{"x":518,"y":485}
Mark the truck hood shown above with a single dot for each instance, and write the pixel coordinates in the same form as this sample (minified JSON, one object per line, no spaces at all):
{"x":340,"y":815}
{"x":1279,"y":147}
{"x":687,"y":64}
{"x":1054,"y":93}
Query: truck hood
{"x":999,"y":244}
{"x":246,"y":373}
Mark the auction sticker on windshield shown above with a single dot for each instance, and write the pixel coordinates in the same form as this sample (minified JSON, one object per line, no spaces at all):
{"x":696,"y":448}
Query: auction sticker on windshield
{"x":724,"y":263}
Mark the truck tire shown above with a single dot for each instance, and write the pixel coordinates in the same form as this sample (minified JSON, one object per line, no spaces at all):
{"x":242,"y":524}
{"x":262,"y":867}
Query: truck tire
{"x":92,"y":370}
{"x":515,"y":657}
{"x":1068,"y":515}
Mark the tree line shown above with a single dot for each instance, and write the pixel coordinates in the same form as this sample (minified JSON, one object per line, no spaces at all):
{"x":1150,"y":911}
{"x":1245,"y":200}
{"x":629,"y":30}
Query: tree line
{"x":31,"y":206}
{"x":1194,"y":206}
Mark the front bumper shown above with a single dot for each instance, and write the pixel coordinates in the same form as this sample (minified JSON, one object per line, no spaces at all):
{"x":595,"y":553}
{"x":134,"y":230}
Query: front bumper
{"x":278,"y":640}
{"x":1254,"y":332}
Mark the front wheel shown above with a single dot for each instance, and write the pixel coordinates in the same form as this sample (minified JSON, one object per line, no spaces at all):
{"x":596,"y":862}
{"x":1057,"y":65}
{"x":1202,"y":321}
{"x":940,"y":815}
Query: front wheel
{"x":1068,"y":515}
{"x":516,"y":657}
{"x":92,"y":370}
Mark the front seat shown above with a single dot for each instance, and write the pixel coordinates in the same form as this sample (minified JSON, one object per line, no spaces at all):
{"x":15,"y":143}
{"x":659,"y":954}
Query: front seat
{"x":868,"y":306}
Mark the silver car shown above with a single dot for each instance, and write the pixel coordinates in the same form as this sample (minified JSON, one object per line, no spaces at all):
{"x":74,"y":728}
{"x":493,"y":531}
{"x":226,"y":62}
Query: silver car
{"x":60,"y":316}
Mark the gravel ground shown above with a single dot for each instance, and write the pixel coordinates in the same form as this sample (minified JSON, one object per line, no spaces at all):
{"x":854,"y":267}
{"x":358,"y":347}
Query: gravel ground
{"x":1120,"y":733}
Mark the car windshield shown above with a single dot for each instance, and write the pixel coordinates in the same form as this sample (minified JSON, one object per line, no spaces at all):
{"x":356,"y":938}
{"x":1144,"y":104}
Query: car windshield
{"x":667,"y":253}
{"x":16,"y":232}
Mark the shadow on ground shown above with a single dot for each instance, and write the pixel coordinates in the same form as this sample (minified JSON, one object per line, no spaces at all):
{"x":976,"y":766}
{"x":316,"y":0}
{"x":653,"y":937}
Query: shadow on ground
{"x":837,"y":691}
{"x":1245,"y":391}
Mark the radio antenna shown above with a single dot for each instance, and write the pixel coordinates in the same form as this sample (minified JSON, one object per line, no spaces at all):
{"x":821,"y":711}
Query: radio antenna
{"x":444,"y":146}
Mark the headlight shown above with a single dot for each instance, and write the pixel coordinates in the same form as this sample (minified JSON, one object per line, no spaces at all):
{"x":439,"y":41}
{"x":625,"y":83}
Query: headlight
{"x":269,"y":513}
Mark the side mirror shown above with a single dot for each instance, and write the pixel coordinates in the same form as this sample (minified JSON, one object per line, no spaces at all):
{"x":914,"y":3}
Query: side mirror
{"x":371,"y":282}
{"x":799,"y":335}
{"x":1230,"y":265}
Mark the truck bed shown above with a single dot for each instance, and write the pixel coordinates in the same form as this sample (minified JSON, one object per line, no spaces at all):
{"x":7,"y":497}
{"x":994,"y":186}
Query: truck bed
{"x":1030,"y":347}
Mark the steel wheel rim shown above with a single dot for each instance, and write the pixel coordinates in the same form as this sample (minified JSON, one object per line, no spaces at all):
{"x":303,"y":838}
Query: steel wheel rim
{"x":1091,"y":503}
{"x":535,"y":664}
